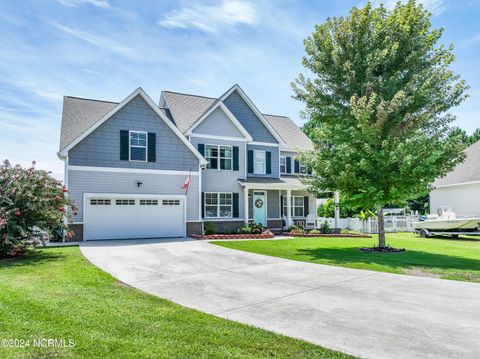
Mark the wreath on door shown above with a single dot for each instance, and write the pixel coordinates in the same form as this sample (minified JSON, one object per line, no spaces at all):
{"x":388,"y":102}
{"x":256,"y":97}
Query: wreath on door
{"x":259,"y":203}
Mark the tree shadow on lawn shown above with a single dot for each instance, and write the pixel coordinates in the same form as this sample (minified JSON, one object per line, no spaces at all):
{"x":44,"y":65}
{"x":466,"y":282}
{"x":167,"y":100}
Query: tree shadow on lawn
{"x":30,"y":259}
{"x":407,"y":259}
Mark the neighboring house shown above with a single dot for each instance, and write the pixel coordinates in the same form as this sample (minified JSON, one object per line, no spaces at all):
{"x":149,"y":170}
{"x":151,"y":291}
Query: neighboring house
{"x":460,"y":188}
{"x":125,"y":164}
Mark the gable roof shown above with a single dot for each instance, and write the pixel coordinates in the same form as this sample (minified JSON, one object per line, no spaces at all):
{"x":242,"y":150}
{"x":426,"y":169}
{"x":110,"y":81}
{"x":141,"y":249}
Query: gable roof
{"x":116,"y":107}
{"x":186,"y":109}
{"x":78,"y":115}
{"x":215,"y":105}
{"x":293,"y":136}
{"x":254,"y":108}
{"x":466,"y":172}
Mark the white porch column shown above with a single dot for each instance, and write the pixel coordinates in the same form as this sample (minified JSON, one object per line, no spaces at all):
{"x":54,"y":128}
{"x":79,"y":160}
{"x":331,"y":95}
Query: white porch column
{"x":245,"y":204}
{"x":289,"y":207}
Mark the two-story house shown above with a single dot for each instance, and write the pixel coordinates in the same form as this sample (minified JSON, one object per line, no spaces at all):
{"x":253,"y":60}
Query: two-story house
{"x":126,"y":165}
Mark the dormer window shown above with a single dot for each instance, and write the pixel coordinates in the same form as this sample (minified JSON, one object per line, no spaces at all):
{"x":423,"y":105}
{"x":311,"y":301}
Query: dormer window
{"x":138,"y":146}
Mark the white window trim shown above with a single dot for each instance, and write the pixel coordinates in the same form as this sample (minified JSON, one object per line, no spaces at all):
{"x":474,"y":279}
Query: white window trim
{"x":218,"y":205}
{"x":255,"y":170}
{"x":285,"y":158}
{"x":130,"y":146}
{"x":219,"y":157}
{"x":292,"y":208}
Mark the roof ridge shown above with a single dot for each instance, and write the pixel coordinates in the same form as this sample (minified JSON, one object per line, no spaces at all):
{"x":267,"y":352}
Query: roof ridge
{"x":268,"y":114}
{"x":189,"y":94}
{"x":91,"y":99}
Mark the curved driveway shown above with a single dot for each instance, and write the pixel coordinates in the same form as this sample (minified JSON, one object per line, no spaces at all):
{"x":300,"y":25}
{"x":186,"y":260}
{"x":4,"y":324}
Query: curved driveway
{"x":364,"y":313}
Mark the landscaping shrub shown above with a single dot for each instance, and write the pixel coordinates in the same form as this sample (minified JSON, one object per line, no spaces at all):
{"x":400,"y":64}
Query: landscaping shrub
{"x":314,"y":231}
{"x":209,"y":228}
{"x":295,"y":230}
{"x":325,"y":228}
{"x":252,"y":228}
{"x":32,"y":208}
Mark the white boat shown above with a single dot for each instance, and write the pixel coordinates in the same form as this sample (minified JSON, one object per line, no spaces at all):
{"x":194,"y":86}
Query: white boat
{"x":446,"y":220}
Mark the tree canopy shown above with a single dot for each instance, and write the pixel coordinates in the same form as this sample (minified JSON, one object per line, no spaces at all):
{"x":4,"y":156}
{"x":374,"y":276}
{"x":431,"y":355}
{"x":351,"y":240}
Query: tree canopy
{"x":377,"y":102}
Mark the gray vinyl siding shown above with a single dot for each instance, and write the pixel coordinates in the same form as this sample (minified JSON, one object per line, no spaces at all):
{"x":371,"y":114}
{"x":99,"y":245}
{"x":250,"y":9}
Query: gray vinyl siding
{"x":214,"y":180}
{"x":275,"y":160}
{"x":81,"y":182}
{"x":273,"y":203}
{"x":218,"y":124}
{"x":245,"y":115}
{"x":102,"y":146}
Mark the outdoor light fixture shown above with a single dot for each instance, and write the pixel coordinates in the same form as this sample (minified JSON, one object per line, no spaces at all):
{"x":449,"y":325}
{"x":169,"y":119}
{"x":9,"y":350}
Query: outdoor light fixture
{"x":139,"y":184}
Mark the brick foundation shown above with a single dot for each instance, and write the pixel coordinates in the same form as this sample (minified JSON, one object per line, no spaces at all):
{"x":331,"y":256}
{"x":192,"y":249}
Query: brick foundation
{"x":78,"y":235}
{"x":194,"y":228}
{"x":227,"y":226}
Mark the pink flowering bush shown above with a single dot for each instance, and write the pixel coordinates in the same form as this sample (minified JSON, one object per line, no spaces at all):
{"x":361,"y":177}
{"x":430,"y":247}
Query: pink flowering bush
{"x":32,"y":207}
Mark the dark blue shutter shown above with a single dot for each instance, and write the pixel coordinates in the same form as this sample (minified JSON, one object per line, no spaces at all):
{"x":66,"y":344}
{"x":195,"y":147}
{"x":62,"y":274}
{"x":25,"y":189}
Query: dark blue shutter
{"x":152,"y":147}
{"x":123,"y":145}
{"x":235,"y":158}
{"x":203,"y":204}
{"x":305,"y":206}
{"x":201,"y":148}
{"x":281,"y":206}
{"x":289,"y":164}
{"x":268,"y":157}
{"x":297,"y":166}
{"x":250,"y":161}
{"x":236,"y":206}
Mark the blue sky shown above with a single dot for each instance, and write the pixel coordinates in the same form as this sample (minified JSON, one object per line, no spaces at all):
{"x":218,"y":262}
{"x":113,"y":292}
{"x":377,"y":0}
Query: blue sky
{"x":106,"y":48}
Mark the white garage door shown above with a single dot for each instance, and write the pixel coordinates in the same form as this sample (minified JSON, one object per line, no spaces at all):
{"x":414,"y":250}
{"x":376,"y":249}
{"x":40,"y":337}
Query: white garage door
{"x":123,"y":217}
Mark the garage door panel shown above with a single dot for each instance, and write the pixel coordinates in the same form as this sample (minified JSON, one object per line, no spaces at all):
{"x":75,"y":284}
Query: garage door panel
{"x":121,"y":218}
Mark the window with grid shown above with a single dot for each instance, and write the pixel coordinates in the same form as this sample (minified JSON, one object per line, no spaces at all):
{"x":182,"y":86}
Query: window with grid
{"x":283,"y":164}
{"x":125,"y":202}
{"x":259,"y":162}
{"x":218,"y":205}
{"x":138,"y":146}
{"x":211,"y":155}
{"x":171,"y":202}
{"x":225,"y":157}
{"x":149,"y":202}
{"x":100,"y":202}
{"x":297,"y":206}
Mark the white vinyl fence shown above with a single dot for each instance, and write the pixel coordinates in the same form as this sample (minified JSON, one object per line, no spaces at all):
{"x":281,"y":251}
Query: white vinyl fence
{"x":392,"y":224}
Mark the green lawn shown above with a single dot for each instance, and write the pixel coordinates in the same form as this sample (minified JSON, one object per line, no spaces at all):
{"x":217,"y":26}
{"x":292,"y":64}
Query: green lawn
{"x":58,"y":294}
{"x":444,"y":258}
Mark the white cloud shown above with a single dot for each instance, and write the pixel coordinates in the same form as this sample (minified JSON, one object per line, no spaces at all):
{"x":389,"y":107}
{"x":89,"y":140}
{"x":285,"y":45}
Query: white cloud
{"x":211,"y":18}
{"x":436,"y":7}
{"x":98,"y":3}
{"x":96,"y":40}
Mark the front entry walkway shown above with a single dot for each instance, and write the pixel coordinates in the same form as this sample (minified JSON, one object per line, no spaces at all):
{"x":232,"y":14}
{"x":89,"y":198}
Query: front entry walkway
{"x":364,"y":313}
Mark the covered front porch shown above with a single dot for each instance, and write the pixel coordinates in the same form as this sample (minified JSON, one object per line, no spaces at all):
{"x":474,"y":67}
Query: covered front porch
{"x":269,"y":198}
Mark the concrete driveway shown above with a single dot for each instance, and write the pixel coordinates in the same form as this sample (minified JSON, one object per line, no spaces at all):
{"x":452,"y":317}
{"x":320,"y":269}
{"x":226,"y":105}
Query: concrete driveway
{"x":364,"y":313}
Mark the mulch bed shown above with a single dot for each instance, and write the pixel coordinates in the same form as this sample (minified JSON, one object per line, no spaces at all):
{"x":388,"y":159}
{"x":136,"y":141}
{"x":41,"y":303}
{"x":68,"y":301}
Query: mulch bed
{"x":234,"y":236}
{"x":339,"y":235}
{"x":386,"y":249}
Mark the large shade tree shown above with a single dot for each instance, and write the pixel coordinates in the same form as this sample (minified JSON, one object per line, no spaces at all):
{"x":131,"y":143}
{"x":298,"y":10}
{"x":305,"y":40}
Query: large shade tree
{"x":376,"y":102}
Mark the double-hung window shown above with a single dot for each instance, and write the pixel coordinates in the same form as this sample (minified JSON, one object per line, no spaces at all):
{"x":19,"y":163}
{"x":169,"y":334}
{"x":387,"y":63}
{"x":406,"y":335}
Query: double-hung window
{"x":259,"y":166}
{"x":219,"y":156}
{"x":218,"y":205}
{"x":297,"y":209}
{"x":138,"y":146}
{"x":283,"y":164}
{"x":302,"y":168}
{"x":297,"y":206}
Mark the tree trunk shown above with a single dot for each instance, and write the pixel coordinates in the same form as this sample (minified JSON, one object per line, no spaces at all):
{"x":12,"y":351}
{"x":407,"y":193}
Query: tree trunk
{"x":381,"y":227}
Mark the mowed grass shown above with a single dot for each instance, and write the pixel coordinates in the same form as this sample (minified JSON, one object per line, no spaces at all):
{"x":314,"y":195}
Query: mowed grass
{"x":58,"y":294}
{"x":456,"y":259}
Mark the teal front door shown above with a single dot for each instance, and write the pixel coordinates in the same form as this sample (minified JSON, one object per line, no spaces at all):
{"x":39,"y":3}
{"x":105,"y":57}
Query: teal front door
{"x":260,"y":208}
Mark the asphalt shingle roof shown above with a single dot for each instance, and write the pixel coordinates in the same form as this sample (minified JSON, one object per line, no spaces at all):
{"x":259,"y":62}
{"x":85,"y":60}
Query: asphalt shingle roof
{"x":289,"y":132}
{"x":467,"y":171}
{"x":79,"y":114}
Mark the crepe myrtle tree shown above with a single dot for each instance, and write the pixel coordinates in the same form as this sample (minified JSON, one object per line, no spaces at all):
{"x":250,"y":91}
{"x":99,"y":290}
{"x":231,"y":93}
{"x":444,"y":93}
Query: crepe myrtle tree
{"x":32,"y":206}
{"x":376,"y":104}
